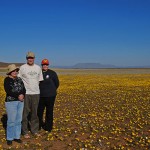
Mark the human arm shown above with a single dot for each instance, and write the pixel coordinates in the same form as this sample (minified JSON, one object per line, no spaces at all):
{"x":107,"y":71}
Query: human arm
{"x":56,"y":80}
{"x":41,"y":75}
{"x":22,"y":93}
{"x":8,"y":87}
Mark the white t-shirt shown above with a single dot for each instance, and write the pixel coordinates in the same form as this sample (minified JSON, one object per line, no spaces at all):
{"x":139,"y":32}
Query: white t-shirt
{"x":31,"y":75}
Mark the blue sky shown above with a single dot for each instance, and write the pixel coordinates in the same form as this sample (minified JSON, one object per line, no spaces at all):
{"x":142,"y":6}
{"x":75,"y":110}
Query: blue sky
{"x":67,"y":32}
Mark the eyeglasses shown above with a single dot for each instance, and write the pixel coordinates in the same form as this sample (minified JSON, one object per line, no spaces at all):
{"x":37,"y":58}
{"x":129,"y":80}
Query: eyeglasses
{"x":45,"y":65}
{"x":30,"y":57}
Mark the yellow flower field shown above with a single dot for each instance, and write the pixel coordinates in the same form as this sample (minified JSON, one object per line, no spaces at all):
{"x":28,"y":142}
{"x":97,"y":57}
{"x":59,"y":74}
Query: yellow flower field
{"x":94,"y":111}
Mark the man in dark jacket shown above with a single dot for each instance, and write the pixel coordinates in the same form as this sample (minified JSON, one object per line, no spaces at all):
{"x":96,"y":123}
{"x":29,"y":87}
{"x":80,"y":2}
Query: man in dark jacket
{"x":48,"y":92}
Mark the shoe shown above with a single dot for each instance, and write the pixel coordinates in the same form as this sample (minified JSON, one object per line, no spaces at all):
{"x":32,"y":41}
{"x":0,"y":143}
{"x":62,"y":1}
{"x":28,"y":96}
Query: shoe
{"x":9,"y":142}
{"x":18,"y":140}
{"x":47,"y":129}
{"x":27,"y":136}
{"x":37,"y":134}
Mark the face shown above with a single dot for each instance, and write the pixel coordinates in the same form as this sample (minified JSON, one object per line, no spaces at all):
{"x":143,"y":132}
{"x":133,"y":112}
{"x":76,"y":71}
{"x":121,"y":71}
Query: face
{"x":14,"y":73}
{"x":30,"y":60}
{"x":45,"y":67}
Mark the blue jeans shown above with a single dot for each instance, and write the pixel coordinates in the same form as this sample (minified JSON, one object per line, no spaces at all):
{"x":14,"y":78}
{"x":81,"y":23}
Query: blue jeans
{"x":14,"y":111}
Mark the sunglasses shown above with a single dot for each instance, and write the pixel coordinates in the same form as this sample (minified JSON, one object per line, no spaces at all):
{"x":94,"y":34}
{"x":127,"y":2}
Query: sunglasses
{"x":30,"y":57}
{"x":45,"y":65}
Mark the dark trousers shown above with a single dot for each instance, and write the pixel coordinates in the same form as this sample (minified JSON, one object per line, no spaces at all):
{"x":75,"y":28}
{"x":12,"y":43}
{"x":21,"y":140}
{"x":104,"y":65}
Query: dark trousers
{"x":48,"y":103}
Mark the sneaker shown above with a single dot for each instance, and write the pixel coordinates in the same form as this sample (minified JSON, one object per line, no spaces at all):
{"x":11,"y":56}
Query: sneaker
{"x":18,"y":140}
{"x":9,"y":142}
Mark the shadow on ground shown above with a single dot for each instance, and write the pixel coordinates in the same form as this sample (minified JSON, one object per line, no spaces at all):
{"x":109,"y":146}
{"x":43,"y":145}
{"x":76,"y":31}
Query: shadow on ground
{"x":4,"y":121}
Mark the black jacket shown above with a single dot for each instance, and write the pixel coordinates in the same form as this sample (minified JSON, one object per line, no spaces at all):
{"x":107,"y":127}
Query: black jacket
{"x":48,"y":87}
{"x":13,"y":88}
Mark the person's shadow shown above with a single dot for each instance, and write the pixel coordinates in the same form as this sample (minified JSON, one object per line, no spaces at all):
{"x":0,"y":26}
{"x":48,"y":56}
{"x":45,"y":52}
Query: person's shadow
{"x":4,"y":121}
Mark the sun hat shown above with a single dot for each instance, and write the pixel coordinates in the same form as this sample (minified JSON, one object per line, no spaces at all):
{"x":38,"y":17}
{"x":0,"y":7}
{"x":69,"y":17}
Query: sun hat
{"x":11,"y":68}
{"x":30,"y":54}
{"x":45,"y":62}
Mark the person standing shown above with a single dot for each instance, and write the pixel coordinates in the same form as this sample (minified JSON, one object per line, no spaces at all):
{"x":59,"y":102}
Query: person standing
{"x":48,"y":92}
{"x":31,"y":74}
{"x":14,"y":102}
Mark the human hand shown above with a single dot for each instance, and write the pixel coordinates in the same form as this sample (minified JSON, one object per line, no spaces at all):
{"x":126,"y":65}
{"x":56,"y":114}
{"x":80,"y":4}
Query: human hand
{"x":21,"y":97}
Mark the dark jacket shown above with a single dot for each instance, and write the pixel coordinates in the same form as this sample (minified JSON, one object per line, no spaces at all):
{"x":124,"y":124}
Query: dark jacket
{"x":13,"y":88}
{"x":48,"y":87}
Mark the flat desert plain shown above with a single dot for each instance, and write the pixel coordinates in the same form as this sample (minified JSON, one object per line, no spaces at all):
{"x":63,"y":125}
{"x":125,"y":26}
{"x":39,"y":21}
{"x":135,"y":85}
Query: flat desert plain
{"x":95,"y":109}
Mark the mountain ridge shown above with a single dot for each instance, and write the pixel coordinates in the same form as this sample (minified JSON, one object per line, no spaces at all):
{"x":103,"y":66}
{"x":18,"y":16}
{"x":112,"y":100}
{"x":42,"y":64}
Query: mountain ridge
{"x":93,"y":65}
{"x":79,"y":66}
{"x":5,"y":64}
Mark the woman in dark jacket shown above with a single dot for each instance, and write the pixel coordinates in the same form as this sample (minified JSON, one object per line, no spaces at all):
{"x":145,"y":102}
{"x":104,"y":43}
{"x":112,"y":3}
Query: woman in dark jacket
{"x":15,"y":92}
{"x":48,"y":92}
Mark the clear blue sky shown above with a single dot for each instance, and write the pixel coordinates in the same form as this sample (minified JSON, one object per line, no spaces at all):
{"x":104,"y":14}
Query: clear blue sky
{"x":67,"y":32}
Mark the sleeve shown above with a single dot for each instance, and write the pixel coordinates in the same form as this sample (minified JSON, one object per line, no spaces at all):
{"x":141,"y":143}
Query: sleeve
{"x":8,"y":88}
{"x":41,"y":75}
{"x":20,"y":74}
{"x":56,"y":80}
{"x":23,"y":90}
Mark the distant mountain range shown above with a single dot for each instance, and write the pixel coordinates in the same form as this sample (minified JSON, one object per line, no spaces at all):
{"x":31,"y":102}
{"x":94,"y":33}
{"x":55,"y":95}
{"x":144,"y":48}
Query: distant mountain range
{"x":96,"y":66}
{"x":92,"y":65}
{"x":4,"y":64}
{"x":82,"y":66}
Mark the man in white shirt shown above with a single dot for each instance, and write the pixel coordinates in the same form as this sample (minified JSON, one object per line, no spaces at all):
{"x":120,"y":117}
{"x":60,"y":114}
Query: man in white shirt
{"x":31,"y":74}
